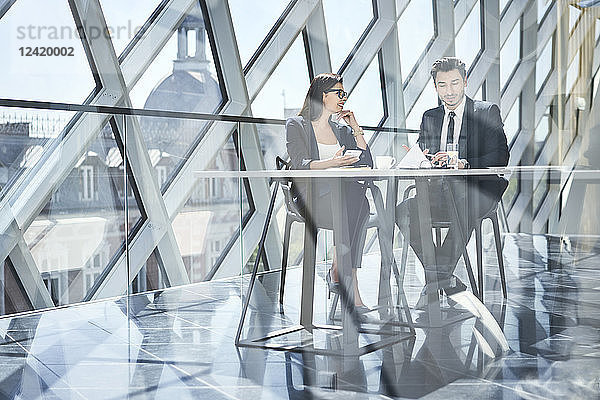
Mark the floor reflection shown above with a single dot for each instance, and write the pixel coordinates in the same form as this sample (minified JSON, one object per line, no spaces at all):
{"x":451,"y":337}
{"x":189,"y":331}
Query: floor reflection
{"x":178,"y":343}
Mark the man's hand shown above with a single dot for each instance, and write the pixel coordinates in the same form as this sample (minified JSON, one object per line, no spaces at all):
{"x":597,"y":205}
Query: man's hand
{"x":440,"y":159}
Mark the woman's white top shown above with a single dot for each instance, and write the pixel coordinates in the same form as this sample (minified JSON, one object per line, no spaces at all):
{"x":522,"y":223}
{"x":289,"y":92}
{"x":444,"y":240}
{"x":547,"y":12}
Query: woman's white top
{"x":327,"y":151}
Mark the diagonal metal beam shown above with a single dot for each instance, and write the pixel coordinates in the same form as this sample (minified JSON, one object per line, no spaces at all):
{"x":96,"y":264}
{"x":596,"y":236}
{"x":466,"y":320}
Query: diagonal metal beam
{"x":318,"y":45}
{"x":5,"y":6}
{"x":393,"y":90}
{"x":109,"y":71}
{"x":278,"y":45}
{"x":217,"y":135}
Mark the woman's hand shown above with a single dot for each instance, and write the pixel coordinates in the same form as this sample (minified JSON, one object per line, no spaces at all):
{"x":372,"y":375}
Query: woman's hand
{"x":341,"y":160}
{"x":357,"y":130}
{"x":350,"y":119}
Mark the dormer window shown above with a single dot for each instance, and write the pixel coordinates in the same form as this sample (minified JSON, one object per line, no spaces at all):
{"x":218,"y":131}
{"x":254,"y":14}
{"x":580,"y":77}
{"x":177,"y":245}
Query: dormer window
{"x":161,"y":175}
{"x":87,"y":182}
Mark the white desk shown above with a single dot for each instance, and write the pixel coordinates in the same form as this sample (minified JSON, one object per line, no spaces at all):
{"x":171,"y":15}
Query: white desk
{"x":349,"y":328}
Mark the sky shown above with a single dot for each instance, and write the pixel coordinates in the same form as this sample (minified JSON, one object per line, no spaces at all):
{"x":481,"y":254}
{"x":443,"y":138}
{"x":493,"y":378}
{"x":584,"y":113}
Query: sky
{"x":69,"y":79}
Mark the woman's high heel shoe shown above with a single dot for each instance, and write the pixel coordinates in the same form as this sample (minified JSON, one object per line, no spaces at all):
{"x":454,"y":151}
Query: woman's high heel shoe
{"x":362,"y":309}
{"x":332,"y":286}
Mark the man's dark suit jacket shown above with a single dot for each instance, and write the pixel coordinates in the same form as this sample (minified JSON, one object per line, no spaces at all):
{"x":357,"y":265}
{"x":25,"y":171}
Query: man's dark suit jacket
{"x":302,"y":148}
{"x":482,"y":141}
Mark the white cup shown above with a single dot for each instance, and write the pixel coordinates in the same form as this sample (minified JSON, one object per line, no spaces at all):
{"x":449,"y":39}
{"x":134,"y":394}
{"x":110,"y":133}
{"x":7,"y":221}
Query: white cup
{"x":384,"y":162}
{"x":452,"y":150}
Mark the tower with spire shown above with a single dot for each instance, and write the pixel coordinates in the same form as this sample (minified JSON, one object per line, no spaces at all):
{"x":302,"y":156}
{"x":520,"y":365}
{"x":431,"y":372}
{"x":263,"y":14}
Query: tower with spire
{"x":191,"y":87}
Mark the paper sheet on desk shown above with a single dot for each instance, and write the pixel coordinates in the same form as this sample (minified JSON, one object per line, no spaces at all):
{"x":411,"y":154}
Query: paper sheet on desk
{"x":414,"y":159}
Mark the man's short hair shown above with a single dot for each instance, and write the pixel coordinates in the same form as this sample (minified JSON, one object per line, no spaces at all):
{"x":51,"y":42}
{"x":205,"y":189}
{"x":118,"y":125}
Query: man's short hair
{"x":448,"y":64}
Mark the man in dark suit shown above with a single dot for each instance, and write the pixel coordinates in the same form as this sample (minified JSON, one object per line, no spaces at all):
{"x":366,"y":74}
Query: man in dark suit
{"x":477,"y":128}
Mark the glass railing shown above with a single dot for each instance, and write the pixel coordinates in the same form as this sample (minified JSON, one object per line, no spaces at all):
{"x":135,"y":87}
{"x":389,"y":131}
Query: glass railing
{"x":138,"y":209}
{"x":106,"y":203}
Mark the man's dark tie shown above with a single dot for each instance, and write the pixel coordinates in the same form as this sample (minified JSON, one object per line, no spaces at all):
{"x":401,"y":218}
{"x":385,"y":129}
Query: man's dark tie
{"x":450,"y":136}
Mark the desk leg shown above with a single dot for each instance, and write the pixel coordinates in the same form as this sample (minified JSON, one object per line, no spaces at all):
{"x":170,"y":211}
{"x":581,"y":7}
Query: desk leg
{"x":344,"y":261}
{"x":390,"y":209}
{"x":385,"y":233}
{"x":431,"y":276}
{"x":308,"y":263}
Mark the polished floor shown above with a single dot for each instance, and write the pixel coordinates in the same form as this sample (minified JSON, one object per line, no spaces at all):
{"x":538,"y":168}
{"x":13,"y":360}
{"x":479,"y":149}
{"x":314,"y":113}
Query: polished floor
{"x":179,"y":343}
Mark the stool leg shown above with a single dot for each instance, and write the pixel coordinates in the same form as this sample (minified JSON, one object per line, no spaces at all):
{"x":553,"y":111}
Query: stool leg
{"x":479,"y":259}
{"x":404,"y":260}
{"x":284,"y":257}
{"x":470,"y":271}
{"x":498,"y":241}
{"x":334,"y":304}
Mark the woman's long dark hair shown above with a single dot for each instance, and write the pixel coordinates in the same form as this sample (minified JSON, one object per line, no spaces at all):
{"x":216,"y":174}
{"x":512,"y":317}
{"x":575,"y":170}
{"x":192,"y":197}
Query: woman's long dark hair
{"x":313,"y":103}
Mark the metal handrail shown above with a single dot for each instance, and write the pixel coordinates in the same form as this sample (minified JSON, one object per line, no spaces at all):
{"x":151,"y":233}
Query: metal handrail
{"x":115,"y":110}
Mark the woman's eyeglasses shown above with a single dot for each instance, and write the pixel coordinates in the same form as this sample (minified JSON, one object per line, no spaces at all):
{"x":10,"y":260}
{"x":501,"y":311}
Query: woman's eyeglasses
{"x":340,"y":93}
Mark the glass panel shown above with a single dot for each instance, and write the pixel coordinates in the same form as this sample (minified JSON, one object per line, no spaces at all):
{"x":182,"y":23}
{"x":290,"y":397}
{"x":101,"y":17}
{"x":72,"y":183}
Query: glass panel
{"x":151,"y":276}
{"x":572,"y":73}
{"x":283,"y":94}
{"x":564,"y":194}
{"x":510,"y":53}
{"x":574,"y":14}
{"x":512,"y":123}
{"x":540,"y":192}
{"x":596,"y":82}
{"x":415,"y":31}
{"x":126,"y":18}
{"x":12,"y":295}
{"x":503,"y":4}
{"x":169,"y":141}
{"x":24,"y":135}
{"x":207,"y":225}
{"x":250,"y":32}
{"x":479,"y":94}
{"x":181,"y":78}
{"x":597,"y":27}
{"x":541,"y":132}
{"x":345,"y":23}
{"x":272,"y":142}
{"x":43,"y":57}
{"x":428,"y":99}
{"x":513,"y":189}
{"x":82,"y":226}
{"x":366,"y":100}
{"x":542,"y":8}
{"x":543,"y":65}
{"x":468,"y":39}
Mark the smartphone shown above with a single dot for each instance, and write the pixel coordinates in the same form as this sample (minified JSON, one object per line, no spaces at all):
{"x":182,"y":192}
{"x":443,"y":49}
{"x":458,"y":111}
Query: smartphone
{"x":353,"y":153}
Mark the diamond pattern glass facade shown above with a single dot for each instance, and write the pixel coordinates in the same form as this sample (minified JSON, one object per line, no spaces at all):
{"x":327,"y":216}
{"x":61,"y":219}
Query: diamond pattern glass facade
{"x":186,"y":67}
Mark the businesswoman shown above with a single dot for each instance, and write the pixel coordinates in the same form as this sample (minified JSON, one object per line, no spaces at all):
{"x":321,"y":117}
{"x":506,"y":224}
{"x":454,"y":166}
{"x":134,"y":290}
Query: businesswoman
{"x":316,"y":141}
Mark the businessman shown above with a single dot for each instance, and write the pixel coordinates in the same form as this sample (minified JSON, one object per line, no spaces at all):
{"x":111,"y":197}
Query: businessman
{"x":477,"y":128}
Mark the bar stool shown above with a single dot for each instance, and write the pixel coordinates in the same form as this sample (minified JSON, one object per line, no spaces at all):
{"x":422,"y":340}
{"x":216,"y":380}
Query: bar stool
{"x":293,"y":215}
{"x":437,"y":226}
{"x":492,"y":215}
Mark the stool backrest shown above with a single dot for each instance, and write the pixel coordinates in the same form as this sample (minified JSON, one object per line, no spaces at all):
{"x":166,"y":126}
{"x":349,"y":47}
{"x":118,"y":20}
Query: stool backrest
{"x":286,"y":188}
